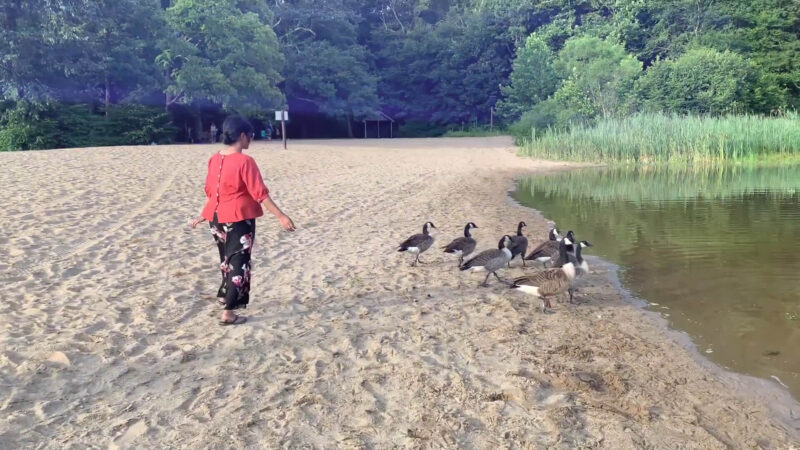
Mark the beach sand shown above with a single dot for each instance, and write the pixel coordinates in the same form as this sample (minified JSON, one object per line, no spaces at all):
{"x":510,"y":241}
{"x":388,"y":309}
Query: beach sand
{"x":109,"y":334}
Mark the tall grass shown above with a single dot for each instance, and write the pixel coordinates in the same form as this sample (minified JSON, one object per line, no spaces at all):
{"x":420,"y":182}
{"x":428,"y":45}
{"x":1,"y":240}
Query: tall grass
{"x":655,"y":138}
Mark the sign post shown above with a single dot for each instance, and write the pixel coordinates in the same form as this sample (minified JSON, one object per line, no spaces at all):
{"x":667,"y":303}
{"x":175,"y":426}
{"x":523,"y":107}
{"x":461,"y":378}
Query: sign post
{"x":283,"y":116}
{"x":492,"y":101}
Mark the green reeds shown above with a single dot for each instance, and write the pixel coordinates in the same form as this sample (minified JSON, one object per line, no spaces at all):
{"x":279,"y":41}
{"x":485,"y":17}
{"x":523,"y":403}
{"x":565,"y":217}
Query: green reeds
{"x":660,"y":138}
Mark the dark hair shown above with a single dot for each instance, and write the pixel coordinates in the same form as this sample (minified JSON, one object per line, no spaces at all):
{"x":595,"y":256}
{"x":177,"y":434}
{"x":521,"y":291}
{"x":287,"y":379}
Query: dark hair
{"x":233,"y":127}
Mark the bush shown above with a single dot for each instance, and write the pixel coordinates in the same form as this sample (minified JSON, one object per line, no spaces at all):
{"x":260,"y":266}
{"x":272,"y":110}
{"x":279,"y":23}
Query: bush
{"x":542,"y":116}
{"x":533,"y":79}
{"x":421,"y":129}
{"x":141,"y":125}
{"x":36,"y":126}
{"x":24,"y":126}
{"x":701,"y":81}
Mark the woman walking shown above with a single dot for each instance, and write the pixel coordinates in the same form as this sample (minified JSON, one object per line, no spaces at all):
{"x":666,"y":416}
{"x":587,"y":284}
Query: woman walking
{"x":235,"y":193}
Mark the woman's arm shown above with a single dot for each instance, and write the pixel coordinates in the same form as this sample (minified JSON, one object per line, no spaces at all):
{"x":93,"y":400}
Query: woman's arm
{"x":285,"y":221}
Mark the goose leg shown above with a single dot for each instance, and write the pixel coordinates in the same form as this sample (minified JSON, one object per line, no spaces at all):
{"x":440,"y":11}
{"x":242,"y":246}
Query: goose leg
{"x":500,"y":279}
{"x":416,"y":260}
{"x":570,"y":290}
{"x":485,"y":281}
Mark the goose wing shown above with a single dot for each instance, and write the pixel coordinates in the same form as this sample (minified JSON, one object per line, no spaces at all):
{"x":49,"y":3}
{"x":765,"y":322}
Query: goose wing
{"x":549,"y":282}
{"x":455,"y":245}
{"x":546,"y":248}
{"x":417,"y":240}
{"x":482,"y":259}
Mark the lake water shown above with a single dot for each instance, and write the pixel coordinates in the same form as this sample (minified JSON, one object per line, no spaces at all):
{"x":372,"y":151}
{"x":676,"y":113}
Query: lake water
{"x":716,"y":252}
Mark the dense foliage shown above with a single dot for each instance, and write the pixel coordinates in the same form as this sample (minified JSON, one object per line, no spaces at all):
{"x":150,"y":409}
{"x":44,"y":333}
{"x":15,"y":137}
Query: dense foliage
{"x":433,"y":65}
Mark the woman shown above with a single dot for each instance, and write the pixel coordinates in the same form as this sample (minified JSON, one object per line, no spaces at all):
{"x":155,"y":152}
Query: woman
{"x":235,"y":193}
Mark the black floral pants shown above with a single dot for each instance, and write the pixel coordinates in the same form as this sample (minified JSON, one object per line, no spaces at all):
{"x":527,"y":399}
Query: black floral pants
{"x":235,"y":244}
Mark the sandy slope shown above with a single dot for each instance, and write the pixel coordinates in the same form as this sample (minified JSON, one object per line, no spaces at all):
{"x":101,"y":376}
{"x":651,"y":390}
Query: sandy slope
{"x":109,"y":338}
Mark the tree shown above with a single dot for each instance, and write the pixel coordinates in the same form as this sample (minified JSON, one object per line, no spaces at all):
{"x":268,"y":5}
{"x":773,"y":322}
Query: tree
{"x":120,"y":47}
{"x":702,"y":81}
{"x":218,"y":52}
{"x":39,"y":40}
{"x":326,"y":67}
{"x":533,"y":79}
{"x":598,"y":76}
{"x":447,"y":73}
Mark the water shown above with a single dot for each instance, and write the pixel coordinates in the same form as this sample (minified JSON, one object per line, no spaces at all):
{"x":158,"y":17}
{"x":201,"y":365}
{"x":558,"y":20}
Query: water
{"x":716,"y":252}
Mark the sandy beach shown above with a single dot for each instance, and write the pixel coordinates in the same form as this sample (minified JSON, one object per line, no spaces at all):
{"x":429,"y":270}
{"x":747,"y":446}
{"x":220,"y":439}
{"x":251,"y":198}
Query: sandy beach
{"x":109,"y":334}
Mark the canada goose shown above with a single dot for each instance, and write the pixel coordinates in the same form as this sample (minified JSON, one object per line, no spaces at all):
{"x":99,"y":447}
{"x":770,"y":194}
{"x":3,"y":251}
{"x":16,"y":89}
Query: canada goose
{"x":490,"y":260}
{"x":550,"y":282}
{"x":548,"y":251}
{"x":462,"y":246}
{"x":519,"y":244}
{"x":418,"y":243}
{"x":580,"y":263}
{"x":581,"y":266}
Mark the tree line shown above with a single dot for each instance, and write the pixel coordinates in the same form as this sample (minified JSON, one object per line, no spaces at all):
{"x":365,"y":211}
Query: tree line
{"x":77,"y":73}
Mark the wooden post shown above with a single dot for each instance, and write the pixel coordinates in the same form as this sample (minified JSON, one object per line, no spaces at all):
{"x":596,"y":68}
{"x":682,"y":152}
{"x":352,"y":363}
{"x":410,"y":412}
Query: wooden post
{"x":365,"y":129}
{"x":491,"y":118}
{"x":283,"y":129}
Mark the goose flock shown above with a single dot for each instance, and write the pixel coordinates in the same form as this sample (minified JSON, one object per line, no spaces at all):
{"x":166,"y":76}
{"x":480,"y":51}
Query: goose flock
{"x":563,"y":253}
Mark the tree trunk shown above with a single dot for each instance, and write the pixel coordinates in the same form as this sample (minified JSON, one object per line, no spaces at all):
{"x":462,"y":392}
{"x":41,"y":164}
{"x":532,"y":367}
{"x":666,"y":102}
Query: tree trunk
{"x":108,"y":96}
{"x":349,"y":126}
{"x":198,"y":127}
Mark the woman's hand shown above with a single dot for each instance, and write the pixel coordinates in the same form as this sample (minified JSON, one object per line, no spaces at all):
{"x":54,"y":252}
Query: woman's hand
{"x":197,"y":222}
{"x":286,"y":222}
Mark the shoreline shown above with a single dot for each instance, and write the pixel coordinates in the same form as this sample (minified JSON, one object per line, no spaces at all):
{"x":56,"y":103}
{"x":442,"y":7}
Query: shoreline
{"x":782,"y":403}
{"x":112,"y":341}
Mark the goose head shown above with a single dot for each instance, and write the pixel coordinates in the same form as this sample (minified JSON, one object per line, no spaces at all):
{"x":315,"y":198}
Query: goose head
{"x":578,"y":254}
{"x":468,"y":227}
{"x":520,"y":227}
{"x":505,"y":242}
{"x":554,"y":234}
{"x":425,"y":229}
{"x":585,"y":244}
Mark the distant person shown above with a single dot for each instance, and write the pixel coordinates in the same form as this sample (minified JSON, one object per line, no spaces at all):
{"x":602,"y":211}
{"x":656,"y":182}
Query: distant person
{"x":268,"y":131}
{"x":263,"y":135}
{"x":235,"y":193}
{"x":213,"y":133}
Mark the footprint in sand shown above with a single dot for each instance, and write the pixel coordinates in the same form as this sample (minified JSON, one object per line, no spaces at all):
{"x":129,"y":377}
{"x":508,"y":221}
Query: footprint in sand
{"x":131,"y":434}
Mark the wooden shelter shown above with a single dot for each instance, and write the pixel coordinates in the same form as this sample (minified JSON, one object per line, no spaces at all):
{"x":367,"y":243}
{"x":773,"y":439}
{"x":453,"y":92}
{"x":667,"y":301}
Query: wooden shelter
{"x":380,"y":119}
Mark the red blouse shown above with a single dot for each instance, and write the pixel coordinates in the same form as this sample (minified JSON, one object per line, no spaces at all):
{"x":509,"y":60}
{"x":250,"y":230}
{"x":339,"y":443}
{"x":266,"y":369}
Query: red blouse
{"x":234,"y":188}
